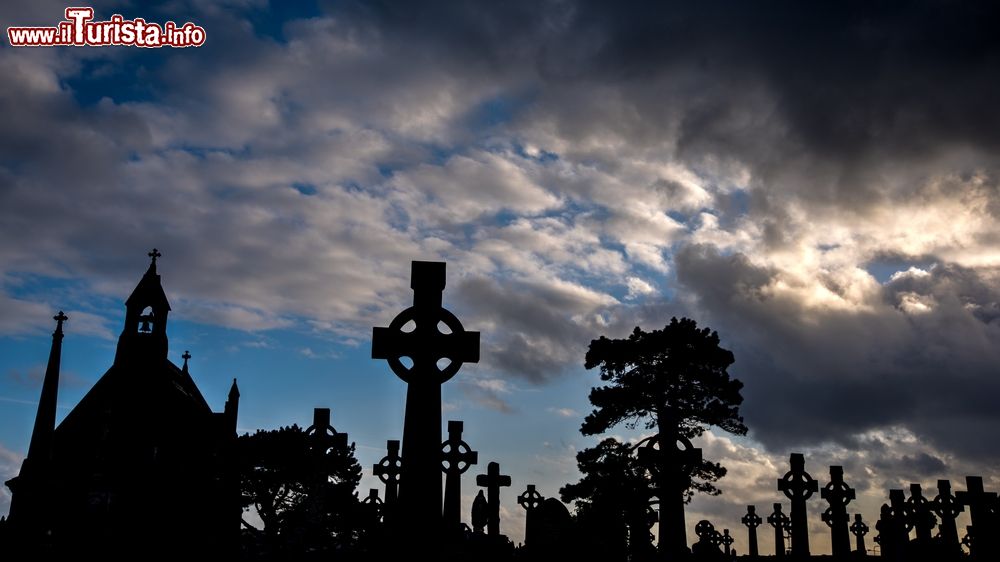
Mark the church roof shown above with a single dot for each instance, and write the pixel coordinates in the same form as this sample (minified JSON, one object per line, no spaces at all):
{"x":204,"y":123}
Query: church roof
{"x":149,"y":291}
{"x":159,"y":389}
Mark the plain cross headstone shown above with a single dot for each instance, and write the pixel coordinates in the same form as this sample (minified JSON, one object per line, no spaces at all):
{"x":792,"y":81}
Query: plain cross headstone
{"x":798,"y":486}
{"x":859,"y":530}
{"x":751,"y":520}
{"x":493,"y":481}
{"x":838,"y":494}
{"x":530,"y":499}
{"x":388,"y":470}
{"x":980,"y":504}
{"x":947,"y":507}
{"x":457,"y":457}
{"x":921,"y":516}
{"x":780,"y":522}
{"x":436,"y":356}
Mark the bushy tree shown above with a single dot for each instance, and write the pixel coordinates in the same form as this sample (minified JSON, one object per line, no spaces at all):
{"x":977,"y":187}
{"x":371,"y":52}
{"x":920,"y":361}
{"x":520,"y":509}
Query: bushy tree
{"x":305,"y":496}
{"x":612,"y":501}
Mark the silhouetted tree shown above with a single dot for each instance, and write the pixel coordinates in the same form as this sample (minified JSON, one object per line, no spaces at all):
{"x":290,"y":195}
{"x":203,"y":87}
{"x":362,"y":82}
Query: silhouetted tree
{"x":612,"y":501}
{"x":305,"y":498}
{"x":675,"y":381}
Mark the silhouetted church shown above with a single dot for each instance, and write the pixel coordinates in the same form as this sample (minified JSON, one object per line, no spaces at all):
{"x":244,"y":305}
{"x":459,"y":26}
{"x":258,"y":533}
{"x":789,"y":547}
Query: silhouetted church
{"x":141,"y":466}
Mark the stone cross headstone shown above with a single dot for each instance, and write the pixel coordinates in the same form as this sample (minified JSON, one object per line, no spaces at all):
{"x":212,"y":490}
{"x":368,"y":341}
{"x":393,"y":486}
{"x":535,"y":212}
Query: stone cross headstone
{"x":493,"y":481}
{"x":456,"y":457}
{"x":798,"y":486}
{"x":947,"y":508}
{"x":780,"y":522}
{"x":388,"y":470}
{"x":892,"y":527}
{"x":373,"y":503}
{"x":709,"y":539}
{"x":859,"y":530}
{"x":727,"y":541}
{"x":673,"y":461}
{"x":921,"y":516}
{"x":530,"y":499}
{"x":435,"y":357}
{"x":321,"y":437}
{"x":838,"y":494}
{"x":751,"y":520}
{"x":980,"y":504}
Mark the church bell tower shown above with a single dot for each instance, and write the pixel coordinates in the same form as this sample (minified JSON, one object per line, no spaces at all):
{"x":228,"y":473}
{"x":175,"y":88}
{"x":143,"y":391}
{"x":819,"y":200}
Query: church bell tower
{"x":144,"y":336}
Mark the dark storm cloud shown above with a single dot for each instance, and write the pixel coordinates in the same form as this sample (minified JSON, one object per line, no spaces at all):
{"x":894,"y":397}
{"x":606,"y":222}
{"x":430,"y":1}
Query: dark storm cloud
{"x":407,"y":121}
{"x":827,"y":375}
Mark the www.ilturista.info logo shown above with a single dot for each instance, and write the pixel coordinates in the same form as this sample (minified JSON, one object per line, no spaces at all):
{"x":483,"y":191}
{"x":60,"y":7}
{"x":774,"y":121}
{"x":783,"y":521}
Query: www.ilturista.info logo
{"x":79,"y":30}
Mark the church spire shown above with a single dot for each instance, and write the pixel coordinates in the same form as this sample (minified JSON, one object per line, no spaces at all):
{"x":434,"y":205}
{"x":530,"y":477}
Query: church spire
{"x":40,"y":448}
{"x":232,"y":406}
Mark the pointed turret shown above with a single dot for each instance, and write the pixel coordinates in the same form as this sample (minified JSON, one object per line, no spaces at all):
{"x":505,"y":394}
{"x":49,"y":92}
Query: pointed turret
{"x":232,"y":405}
{"x":145,"y":331}
{"x":40,"y":449}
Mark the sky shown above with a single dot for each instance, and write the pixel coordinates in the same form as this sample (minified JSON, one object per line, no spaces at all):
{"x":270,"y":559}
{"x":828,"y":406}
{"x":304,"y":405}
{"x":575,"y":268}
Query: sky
{"x":818,"y":182}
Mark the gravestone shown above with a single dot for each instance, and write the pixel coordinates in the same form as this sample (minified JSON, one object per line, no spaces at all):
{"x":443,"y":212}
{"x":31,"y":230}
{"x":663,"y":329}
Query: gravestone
{"x":322,"y":437}
{"x":751,"y":520}
{"x":838,"y":494}
{"x":456,"y":457}
{"x":707,"y":546}
{"x":781,"y":523}
{"x":673,"y":461}
{"x":981,"y":505}
{"x":921,"y":517}
{"x":893,"y":527}
{"x":553,"y":530}
{"x":493,"y":481}
{"x":859,"y":530}
{"x":727,"y":541}
{"x":436,"y":356}
{"x":947,"y":507}
{"x":530,"y":499}
{"x":374,"y":504}
{"x":388,"y":471}
{"x":798,"y":486}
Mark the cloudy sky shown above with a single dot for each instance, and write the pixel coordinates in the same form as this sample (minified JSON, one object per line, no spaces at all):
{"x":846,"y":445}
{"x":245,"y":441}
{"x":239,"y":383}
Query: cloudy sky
{"x":818,"y":184}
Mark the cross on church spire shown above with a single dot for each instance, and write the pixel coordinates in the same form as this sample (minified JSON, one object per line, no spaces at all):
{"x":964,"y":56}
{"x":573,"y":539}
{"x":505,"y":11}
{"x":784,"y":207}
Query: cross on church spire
{"x":60,"y":318}
{"x":185,"y":357}
{"x":154,"y":254}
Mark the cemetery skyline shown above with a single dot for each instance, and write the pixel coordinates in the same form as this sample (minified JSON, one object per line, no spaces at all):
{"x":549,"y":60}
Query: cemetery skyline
{"x":819,"y":186}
